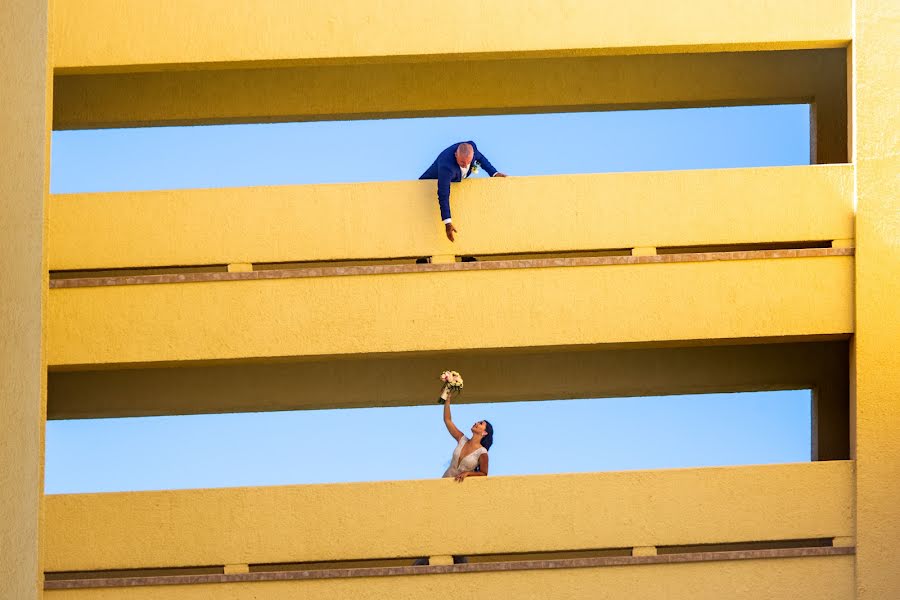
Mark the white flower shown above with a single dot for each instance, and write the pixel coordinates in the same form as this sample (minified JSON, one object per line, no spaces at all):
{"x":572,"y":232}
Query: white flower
{"x":452,"y":379}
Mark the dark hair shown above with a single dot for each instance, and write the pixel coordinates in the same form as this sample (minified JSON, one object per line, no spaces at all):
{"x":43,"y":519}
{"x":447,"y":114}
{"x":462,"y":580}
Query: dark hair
{"x":487,"y":441}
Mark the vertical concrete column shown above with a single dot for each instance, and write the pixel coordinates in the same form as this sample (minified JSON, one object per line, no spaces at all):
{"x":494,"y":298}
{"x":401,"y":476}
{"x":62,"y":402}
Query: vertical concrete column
{"x":25,"y":98}
{"x":829,"y":115}
{"x":829,"y":129}
{"x":831,"y":411}
{"x":876,"y":383}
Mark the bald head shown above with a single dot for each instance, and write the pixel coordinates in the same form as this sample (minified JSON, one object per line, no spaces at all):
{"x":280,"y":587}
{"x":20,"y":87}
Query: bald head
{"x":464,"y":155}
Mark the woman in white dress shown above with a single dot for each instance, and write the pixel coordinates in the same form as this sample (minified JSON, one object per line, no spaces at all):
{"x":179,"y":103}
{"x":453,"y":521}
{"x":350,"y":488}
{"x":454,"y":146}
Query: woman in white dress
{"x":470,"y":457}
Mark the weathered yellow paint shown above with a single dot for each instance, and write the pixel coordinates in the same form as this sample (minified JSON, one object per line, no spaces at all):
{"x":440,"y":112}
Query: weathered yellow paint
{"x":876,"y":360}
{"x":203,"y":33}
{"x":25,"y":100}
{"x":506,"y":308}
{"x":397,"y":518}
{"x":401,"y":219}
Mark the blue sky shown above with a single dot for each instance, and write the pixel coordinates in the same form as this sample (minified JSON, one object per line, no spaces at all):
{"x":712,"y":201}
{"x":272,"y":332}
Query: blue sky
{"x":411,"y":443}
{"x":351,"y":151}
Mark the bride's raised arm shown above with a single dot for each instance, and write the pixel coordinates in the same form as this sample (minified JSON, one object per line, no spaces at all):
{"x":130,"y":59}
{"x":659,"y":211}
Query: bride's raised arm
{"x":446,"y":394}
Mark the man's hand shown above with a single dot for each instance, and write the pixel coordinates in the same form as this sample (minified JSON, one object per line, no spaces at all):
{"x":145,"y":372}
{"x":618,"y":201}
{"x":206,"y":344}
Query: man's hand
{"x":450,"y":229}
{"x":498,"y":174}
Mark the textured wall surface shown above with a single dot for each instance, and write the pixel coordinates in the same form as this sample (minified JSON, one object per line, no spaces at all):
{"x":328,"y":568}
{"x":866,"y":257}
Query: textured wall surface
{"x":24,"y":176}
{"x":876,"y":359}
{"x":201,"y":31}
{"x":435,"y":517}
{"x":410,"y":379}
{"x":401,"y":219}
{"x":829,"y":578}
{"x":507,"y":308}
{"x":277,"y":60}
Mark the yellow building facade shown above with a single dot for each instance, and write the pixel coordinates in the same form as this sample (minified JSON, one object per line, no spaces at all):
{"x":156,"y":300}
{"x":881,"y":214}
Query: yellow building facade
{"x":288,"y":297}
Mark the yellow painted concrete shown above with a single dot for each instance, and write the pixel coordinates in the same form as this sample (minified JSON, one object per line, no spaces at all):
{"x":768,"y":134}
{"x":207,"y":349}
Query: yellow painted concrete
{"x":434,"y":517}
{"x":828,"y":578}
{"x":203,"y":62}
{"x":340,"y":61}
{"x":508,"y":308}
{"x":494,"y":376}
{"x":138,"y":36}
{"x":571,"y":83}
{"x":439,"y":259}
{"x":25,"y":100}
{"x":876,"y":360}
{"x":400,"y":219}
{"x":240,"y":267}
{"x":235,"y":569}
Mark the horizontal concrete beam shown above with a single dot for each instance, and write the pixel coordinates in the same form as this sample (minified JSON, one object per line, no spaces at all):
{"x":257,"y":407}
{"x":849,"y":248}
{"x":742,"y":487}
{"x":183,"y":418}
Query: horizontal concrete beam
{"x":462,"y":308}
{"x":206,"y":33}
{"x":410,"y":379}
{"x":562,"y":213}
{"x":399,"y":519}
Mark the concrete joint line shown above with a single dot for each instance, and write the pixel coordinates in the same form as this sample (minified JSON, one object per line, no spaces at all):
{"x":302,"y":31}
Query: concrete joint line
{"x":566,"y":563}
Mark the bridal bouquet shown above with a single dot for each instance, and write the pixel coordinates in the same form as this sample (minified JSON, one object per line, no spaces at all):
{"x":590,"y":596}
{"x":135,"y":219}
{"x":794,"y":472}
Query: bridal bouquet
{"x":453,"y":382}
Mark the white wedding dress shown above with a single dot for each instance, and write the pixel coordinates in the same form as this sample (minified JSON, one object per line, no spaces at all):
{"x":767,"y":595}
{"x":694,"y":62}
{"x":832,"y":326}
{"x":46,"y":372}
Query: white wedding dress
{"x":468,"y":463}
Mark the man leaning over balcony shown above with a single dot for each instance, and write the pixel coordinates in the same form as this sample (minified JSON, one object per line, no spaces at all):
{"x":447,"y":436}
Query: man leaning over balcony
{"x":455,"y":164}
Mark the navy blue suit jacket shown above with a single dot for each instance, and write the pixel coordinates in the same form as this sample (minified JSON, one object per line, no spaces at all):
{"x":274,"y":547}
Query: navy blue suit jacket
{"x":445,"y":170}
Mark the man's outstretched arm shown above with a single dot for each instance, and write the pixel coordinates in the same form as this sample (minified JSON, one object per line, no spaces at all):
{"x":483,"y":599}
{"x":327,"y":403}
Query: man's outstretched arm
{"x":486,"y":165}
{"x":444,"y":176}
{"x":443,"y":191}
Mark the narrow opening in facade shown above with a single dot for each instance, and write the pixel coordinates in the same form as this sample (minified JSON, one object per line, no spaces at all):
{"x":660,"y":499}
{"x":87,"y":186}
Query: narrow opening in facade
{"x":156,"y":158}
{"x":371,"y":444}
